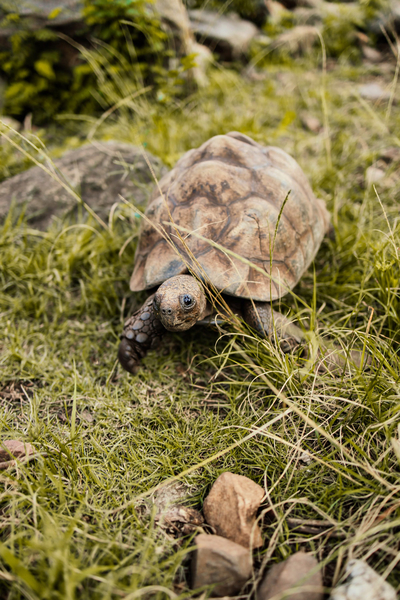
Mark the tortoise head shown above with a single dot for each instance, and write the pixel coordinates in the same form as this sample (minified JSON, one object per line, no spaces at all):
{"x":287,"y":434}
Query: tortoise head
{"x":179,"y":303}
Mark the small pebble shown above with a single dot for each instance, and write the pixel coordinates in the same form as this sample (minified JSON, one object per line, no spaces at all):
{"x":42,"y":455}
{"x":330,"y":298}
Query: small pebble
{"x":231,"y":508}
{"x":219,"y":561}
{"x":14,"y":449}
{"x":363,"y":583}
{"x":371,"y":54}
{"x":373,"y":91}
{"x":373,"y":175}
{"x":297,"y":572}
{"x":311,"y":123}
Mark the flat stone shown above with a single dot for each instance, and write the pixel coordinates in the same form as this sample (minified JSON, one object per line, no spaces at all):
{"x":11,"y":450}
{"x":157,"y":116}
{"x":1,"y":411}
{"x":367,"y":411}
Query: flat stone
{"x":220,"y":562}
{"x":363,"y":583}
{"x":227,"y":34}
{"x":99,"y":173}
{"x":299,"y":572}
{"x":373,"y":91}
{"x":231,"y":508}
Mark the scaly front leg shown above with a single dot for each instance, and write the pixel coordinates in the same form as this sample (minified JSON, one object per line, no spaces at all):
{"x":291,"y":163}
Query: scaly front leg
{"x":142,"y":331}
{"x":261,"y":317}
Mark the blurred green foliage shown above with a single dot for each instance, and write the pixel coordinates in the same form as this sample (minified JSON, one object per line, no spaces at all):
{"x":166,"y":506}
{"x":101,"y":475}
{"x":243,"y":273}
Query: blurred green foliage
{"x":47,"y":73}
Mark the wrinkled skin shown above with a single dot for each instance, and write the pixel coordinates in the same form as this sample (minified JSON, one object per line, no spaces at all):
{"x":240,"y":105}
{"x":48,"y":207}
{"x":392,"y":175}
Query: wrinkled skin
{"x":178,"y":304}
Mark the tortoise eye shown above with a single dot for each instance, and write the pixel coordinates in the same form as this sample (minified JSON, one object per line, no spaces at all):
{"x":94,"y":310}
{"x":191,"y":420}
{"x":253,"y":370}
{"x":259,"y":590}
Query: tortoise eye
{"x":187,"y":301}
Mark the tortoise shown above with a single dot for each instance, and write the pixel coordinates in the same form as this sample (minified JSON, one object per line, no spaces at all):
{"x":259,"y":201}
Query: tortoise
{"x":232,"y":216}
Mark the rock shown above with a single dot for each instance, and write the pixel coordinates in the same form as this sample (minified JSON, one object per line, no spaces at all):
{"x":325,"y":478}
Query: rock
{"x":374,"y":175}
{"x":9,"y":122}
{"x":14,"y":449}
{"x":391,"y":154}
{"x":298,"y":40}
{"x":203,"y":60}
{"x":99,"y":173}
{"x":180,"y":520}
{"x":228,"y":34}
{"x":174,"y":14}
{"x":221,"y":562}
{"x":231,"y":508}
{"x":373,"y":91}
{"x":37,"y":14}
{"x":311,"y":123}
{"x":8,"y":125}
{"x":175,"y":19}
{"x":363,"y":583}
{"x":300,"y":572}
{"x":169,"y":495}
{"x":371,"y":54}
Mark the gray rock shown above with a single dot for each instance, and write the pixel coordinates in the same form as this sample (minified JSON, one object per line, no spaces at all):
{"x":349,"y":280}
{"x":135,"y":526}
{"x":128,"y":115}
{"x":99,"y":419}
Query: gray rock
{"x":231,"y":508}
{"x":227,"y":34}
{"x":300,"y":572}
{"x":363,"y":583}
{"x":373,"y":91}
{"x":36,"y":14}
{"x":220,"y":562}
{"x":98,"y":173}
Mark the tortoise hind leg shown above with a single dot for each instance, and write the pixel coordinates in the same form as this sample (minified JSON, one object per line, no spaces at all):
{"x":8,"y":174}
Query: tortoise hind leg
{"x":142,"y":331}
{"x":266,"y":321}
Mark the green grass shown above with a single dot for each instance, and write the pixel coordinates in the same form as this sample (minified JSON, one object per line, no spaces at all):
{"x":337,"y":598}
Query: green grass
{"x":77,"y":522}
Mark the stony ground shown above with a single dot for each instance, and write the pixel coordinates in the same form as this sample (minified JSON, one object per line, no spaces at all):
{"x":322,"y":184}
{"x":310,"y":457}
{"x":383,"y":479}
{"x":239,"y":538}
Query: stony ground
{"x":79,"y":521}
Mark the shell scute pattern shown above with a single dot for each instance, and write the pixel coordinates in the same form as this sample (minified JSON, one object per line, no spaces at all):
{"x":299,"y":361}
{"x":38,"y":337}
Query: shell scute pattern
{"x":231,"y":190}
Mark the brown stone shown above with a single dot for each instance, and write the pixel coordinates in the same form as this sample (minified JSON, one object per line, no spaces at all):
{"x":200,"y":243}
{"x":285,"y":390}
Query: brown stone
{"x":12,"y":449}
{"x":299,"y":572}
{"x":220,"y":562}
{"x":231,"y":508}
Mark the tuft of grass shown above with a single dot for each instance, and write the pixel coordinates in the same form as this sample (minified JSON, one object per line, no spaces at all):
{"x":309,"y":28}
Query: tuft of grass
{"x":74,"y":523}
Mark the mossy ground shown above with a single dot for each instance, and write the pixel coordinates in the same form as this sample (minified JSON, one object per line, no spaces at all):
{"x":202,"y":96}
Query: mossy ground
{"x":72,"y":525}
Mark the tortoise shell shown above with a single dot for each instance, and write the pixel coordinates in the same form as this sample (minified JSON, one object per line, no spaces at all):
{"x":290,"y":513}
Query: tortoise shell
{"x":231,"y":191}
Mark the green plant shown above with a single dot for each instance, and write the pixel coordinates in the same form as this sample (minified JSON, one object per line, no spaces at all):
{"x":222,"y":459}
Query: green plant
{"x":47,"y":73}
